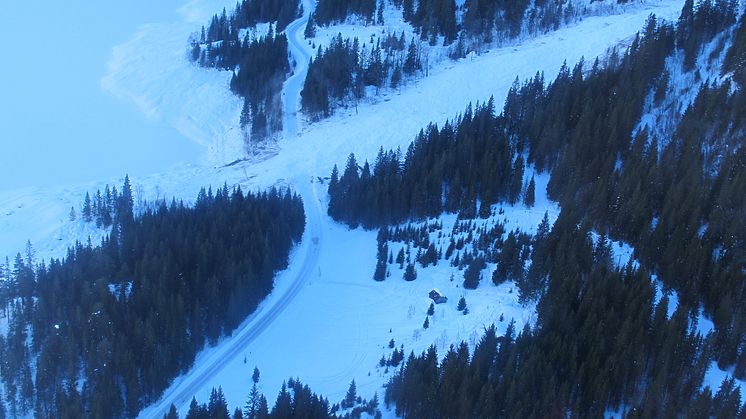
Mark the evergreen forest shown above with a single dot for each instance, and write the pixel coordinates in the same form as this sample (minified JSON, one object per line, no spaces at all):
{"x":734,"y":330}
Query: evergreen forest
{"x":601,"y":340}
{"x":110,"y":325}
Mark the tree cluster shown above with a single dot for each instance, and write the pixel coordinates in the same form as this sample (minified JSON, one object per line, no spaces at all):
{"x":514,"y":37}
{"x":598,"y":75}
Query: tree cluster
{"x":125,"y":317}
{"x":295,"y":400}
{"x":469,"y":160}
{"x":261,"y":72}
{"x":470,"y":245}
{"x":247,"y":14}
{"x":110,"y":207}
{"x":328,"y":12}
{"x":432,"y":18}
{"x":339,"y":74}
{"x":259,"y":65}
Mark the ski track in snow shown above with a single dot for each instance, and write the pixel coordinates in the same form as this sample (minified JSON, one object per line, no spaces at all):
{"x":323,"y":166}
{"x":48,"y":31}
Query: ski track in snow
{"x":339,"y":322}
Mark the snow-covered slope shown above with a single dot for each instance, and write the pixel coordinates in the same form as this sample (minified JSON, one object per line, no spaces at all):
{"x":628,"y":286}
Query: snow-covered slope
{"x":340,"y":321}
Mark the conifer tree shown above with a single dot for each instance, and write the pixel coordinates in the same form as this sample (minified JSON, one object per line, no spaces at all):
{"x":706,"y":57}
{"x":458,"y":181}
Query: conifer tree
{"x":410,"y":273}
{"x":461,"y":304}
{"x":529,"y":198}
{"x":252,"y":407}
{"x":350,"y":396}
{"x":87,"y":209}
{"x":172,"y":413}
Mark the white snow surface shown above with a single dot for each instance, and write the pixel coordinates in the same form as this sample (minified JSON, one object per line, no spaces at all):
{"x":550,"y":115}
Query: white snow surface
{"x":327,"y":322}
{"x":714,"y":377}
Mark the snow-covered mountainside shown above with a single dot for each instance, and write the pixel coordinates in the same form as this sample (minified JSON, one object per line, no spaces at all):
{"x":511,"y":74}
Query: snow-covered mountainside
{"x":327,"y":322}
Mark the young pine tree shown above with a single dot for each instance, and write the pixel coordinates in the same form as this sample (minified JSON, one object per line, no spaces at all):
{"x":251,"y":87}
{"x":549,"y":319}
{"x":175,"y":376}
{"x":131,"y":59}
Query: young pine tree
{"x":351,"y":395}
{"x":461,"y":304}
{"x":410,"y":274}
{"x":529,"y":197}
{"x":172,"y":413}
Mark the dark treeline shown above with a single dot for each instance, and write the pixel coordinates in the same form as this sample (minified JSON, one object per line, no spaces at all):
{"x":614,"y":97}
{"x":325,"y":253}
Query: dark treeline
{"x":600,"y":340}
{"x":432,"y":18}
{"x":295,"y":400}
{"x":473,"y":24}
{"x":112,"y":324}
{"x":249,"y":13}
{"x":449,"y":169}
{"x":107,"y":208}
{"x":601,"y":343}
{"x":339,"y":74}
{"x":259,"y":65}
{"x":335,"y":11}
{"x":221,"y":46}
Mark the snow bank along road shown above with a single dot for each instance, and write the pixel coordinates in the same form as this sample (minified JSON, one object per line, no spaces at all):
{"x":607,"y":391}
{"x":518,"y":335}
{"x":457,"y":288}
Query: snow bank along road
{"x":305,"y":264}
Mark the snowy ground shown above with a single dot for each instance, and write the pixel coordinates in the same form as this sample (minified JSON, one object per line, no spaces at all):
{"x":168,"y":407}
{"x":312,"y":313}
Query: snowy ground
{"x":52,"y":105}
{"x":337,"y":326}
{"x":341,"y":321}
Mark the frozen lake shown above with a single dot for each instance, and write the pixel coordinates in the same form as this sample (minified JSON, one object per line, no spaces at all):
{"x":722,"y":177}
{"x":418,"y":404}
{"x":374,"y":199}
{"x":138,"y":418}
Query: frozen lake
{"x":57,"y":125}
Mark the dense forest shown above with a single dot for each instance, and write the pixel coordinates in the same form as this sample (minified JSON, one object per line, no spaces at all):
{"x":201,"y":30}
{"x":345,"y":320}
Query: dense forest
{"x":106,"y":328}
{"x":340,"y":74}
{"x":259,"y":64}
{"x":601,"y":341}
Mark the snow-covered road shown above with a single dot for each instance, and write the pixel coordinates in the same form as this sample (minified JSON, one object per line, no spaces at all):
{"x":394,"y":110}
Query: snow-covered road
{"x":301,"y":53}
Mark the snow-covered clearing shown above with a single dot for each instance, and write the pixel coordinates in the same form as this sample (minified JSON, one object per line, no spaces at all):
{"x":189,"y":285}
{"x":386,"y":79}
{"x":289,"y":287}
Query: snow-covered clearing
{"x":337,"y":326}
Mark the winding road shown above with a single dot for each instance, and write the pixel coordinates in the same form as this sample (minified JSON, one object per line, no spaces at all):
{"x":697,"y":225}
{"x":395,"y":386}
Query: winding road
{"x":301,"y":52}
{"x":307,"y":255}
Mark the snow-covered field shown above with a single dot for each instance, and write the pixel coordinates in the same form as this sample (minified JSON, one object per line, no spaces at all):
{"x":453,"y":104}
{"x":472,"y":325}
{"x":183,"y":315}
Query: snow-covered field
{"x":58,"y":126}
{"x":327,"y":321}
